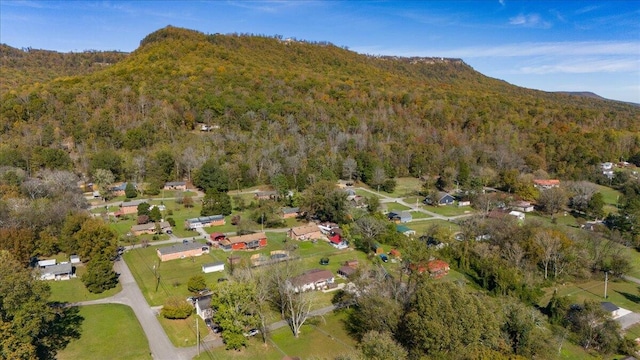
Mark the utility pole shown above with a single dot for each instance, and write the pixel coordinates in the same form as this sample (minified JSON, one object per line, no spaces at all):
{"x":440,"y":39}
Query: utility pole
{"x":197,"y":330}
{"x":606,"y":279}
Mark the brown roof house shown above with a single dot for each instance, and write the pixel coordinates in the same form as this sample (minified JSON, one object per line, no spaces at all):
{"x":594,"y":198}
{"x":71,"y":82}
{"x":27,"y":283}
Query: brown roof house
{"x":546,"y":184}
{"x":181,"y":251}
{"x":150,"y":228}
{"x":306,"y":232}
{"x":315,"y":279}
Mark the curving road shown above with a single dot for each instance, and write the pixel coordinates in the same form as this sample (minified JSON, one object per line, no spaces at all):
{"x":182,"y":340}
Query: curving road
{"x":159,"y":343}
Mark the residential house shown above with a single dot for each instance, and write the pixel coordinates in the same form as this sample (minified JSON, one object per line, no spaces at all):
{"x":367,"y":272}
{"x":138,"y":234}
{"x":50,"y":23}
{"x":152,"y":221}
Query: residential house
{"x":204,"y":221}
{"x":150,"y":228}
{"x":175,"y":185}
{"x":346,"y":271}
{"x":328,"y":227}
{"x":315,"y":279}
{"x":441,"y":198}
{"x":359,"y":202}
{"x":336,"y":240}
{"x":545,"y":184}
{"x":522,"y":206}
{"x":266,"y":195}
{"x":216,"y":237}
{"x":213,"y":267}
{"x":181,"y":251}
{"x":437,"y":268}
{"x":403,"y":229}
{"x":118,"y":190}
{"x":400,"y":216}
{"x":351,"y":194}
{"x":203,"y":307}
{"x":129,"y":207}
{"x":289,"y":212}
{"x":244,"y":242}
{"x":306,"y":232}
{"x":62,"y":271}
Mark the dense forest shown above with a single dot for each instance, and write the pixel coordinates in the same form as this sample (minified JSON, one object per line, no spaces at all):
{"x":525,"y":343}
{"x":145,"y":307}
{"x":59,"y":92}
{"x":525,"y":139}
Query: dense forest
{"x":289,"y":107}
{"x":239,"y":110}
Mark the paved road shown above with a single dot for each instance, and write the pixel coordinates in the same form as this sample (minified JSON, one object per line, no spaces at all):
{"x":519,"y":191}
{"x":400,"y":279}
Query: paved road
{"x":159,"y":343}
{"x":631,"y":278}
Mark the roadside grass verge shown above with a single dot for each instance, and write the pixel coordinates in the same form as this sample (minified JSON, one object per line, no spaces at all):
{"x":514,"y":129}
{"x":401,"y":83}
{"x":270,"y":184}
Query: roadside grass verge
{"x":108,"y":332}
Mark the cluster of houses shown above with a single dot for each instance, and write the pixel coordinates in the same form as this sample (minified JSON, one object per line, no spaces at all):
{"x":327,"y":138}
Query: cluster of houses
{"x":51,"y":270}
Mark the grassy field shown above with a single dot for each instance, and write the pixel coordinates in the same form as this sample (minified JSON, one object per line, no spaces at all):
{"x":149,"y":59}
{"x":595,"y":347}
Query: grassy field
{"x":450,"y":210}
{"x":422,"y":227}
{"x":320,"y":338}
{"x":182,"y":333}
{"x":622,"y":293}
{"x":108,"y":332}
{"x":407,"y":186}
{"x":392,"y":206}
{"x":74,"y":290}
{"x":419,"y":215}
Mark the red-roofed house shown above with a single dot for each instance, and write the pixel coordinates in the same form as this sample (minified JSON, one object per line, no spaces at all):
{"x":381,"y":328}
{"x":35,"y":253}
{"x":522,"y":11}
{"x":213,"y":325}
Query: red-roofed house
{"x":244,"y":242}
{"x":438,"y":268}
{"x":546,"y":184}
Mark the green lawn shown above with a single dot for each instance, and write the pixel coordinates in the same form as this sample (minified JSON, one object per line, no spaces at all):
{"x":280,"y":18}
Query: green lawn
{"x":108,"y":332}
{"x":450,"y":210}
{"x":73,"y":290}
{"x":622,"y":293}
{"x":182,"y":333}
{"x":321,"y":338}
{"x":392,"y":206}
{"x":422,"y":227}
{"x":173,"y":274}
{"x":406,"y":186}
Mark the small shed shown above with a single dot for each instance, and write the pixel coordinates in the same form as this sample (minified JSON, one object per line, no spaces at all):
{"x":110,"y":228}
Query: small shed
{"x":213,"y":267}
{"x":75,"y":259}
{"x":377,"y":248}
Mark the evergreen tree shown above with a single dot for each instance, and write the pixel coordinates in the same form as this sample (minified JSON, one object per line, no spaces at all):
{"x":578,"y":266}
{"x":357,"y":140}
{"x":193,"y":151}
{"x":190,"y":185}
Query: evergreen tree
{"x":130,"y":191}
{"x":216,"y":203}
{"x":155,"y":214}
{"x":100,"y":275}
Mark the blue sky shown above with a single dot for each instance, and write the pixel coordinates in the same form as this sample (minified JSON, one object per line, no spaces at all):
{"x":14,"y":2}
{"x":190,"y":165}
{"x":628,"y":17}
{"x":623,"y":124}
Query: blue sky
{"x":546,"y":45}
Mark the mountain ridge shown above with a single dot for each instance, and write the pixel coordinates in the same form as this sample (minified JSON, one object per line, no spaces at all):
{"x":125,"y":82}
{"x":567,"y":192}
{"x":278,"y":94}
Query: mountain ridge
{"x":275,"y":100}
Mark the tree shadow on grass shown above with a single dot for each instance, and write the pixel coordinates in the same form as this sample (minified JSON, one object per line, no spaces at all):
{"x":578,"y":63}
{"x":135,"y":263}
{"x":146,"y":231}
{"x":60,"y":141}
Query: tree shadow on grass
{"x":631,"y":297}
{"x":63,"y":327}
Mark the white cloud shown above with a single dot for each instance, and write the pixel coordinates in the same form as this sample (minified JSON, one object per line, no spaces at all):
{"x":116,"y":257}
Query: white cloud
{"x":581,"y":66}
{"x":529,"y":20}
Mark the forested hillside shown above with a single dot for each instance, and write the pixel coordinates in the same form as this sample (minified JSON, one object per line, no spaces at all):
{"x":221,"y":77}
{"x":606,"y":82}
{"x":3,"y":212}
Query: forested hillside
{"x":294,"y":108}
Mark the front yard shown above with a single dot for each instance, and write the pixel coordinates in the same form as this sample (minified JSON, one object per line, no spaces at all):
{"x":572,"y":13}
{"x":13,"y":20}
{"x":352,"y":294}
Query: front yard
{"x":108,"y":332}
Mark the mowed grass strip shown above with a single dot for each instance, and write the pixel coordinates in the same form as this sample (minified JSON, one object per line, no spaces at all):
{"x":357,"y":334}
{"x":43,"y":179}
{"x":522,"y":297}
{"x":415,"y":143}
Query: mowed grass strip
{"x":108,"y":332}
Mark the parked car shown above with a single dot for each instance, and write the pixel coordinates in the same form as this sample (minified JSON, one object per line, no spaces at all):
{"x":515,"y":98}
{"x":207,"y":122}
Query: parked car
{"x":169,"y":231}
{"x":252,"y":332}
{"x":324,"y":261}
{"x":222,"y":280}
{"x":384,"y":257}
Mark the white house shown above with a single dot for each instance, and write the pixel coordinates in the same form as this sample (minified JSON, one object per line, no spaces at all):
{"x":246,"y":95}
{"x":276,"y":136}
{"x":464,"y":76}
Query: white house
{"x":203,"y":307}
{"x":315,"y":279}
{"x":522,"y":206}
{"x":213,"y":267}
{"x":63,"y":271}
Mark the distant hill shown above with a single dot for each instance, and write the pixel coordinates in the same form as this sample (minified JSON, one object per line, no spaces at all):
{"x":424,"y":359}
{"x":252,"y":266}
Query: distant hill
{"x":295,"y":108}
{"x":582,"y":93}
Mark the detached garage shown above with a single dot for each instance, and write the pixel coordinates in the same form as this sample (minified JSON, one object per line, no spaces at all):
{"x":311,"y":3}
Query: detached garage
{"x":213,"y":267}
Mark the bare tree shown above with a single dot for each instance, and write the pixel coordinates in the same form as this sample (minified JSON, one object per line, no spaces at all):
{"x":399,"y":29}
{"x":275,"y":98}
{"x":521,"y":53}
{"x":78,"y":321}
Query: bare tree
{"x":549,"y":246}
{"x":295,"y":306}
{"x":349,"y":167}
